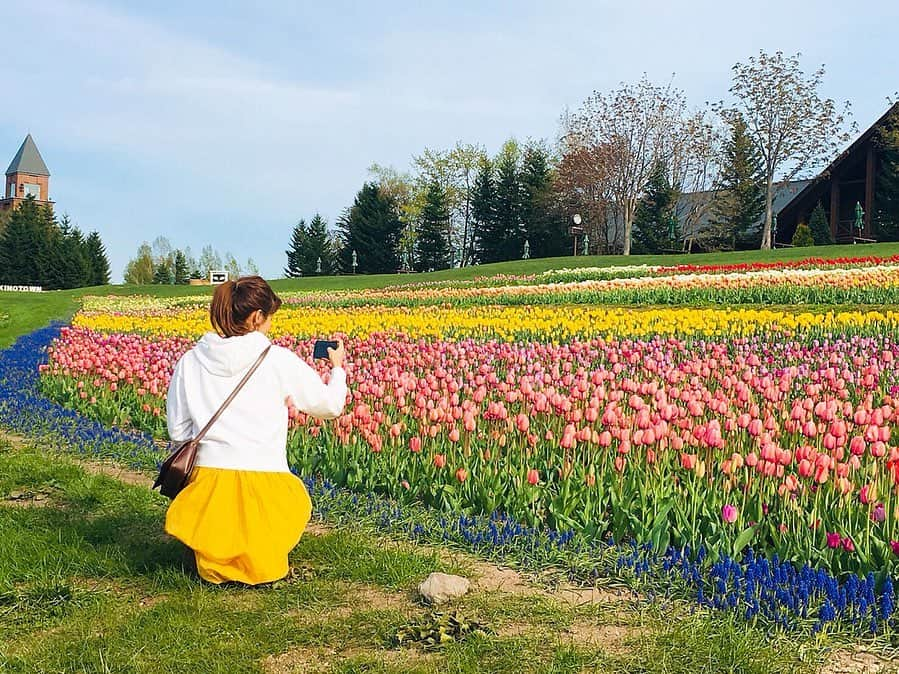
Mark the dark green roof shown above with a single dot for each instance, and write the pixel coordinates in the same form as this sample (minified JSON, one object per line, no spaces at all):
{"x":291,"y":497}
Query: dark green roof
{"x":28,"y":160}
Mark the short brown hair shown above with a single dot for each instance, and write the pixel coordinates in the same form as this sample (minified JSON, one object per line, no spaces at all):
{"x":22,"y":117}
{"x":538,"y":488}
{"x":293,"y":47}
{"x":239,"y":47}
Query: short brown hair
{"x":234,"y":301}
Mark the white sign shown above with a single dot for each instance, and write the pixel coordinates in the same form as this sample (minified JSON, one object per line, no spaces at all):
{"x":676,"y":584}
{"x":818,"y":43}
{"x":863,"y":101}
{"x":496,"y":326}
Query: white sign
{"x":218,"y":277}
{"x":22,"y":289}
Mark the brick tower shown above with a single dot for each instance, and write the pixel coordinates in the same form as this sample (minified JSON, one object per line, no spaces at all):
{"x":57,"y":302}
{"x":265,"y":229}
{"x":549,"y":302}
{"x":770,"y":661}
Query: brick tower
{"x":26,"y":175}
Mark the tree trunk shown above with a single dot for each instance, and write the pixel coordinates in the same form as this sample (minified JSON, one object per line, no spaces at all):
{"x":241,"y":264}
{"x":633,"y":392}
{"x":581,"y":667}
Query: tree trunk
{"x":628,"y":227}
{"x":767,"y":243}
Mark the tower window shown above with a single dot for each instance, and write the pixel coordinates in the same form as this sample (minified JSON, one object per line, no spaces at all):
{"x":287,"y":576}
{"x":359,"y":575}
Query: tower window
{"x":12,"y":190}
{"x":32,"y":190}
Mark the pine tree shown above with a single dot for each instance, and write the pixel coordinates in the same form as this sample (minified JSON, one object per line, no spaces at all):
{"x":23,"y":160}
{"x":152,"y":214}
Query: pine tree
{"x":22,"y":246}
{"x":182,"y":271}
{"x":372,"y":228}
{"x":162,"y":275}
{"x":740,"y":199}
{"x":431,"y":248}
{"x":509,"y":222}
{"x":544,"y":228}
{"x":318,"y":246}
{"x":31,"y":251}
{"x":803,"y":236}
{"x":294,"y":252}
{"x":655,"y":224}
{"x":819,"y":227}
{"x":487,"y":235}
{"x":99,"y":263}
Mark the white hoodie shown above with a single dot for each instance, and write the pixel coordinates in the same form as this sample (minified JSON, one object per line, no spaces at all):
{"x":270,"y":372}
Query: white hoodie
{"x":251,"y":434}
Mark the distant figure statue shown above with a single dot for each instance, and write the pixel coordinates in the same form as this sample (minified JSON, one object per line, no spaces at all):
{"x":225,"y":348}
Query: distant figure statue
{"x":527,"y":250}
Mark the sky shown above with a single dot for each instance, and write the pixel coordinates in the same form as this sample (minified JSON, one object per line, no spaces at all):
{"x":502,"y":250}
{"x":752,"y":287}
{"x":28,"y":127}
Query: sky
{"x":222,"y":122}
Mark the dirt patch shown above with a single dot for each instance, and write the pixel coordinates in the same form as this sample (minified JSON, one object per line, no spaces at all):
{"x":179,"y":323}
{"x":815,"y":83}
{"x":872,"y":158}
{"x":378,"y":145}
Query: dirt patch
{"x":611,"y":638}
{"x":320,"y":660}
{"x":133,"y":477}
{"x":859,"y":661}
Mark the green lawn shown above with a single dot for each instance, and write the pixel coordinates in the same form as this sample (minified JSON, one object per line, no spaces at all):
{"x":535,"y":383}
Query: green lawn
{"x":29,"y":311}
{"x":89,"y":583}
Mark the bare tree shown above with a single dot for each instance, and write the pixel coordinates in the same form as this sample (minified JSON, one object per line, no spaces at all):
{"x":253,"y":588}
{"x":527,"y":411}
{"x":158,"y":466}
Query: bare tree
{"x":636,"y":123}
{"x":584,"y":182}
{"x":792,"y":126}
{"x":694,"y":162}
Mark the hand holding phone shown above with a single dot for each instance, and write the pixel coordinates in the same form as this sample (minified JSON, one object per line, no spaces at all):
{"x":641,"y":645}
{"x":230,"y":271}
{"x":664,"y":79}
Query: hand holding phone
{"x":332,"y":350}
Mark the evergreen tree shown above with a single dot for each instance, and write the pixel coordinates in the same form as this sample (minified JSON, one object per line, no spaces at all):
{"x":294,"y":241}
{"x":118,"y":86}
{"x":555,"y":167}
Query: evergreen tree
{"x":740,"y":199}
{"x":294,"y":252}
{"x":432,"y":251}
{"x":819,"y":227}
{"x":162,"y":275}
{"x":23,"y":247}
{"x":803,"y":236}
{"x":509,"y":222}
{"x":318,"y":246}
{"x":372,"y":228}
{"x":67,"y":265}
{"x":544,"y":228}
{"x":99,"y":263}
{"x":182,"y":271}
{"x":886,"y":196}
{"x":140,"y":270}
{"x":655,"y":223}
{"x":487,"y":235}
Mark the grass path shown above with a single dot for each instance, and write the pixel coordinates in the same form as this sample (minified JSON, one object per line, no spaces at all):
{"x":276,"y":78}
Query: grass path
{"x":90,"y":583}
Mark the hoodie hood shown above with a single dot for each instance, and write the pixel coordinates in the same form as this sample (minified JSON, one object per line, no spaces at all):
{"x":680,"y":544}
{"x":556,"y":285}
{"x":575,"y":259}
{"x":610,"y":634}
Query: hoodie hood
{"x":228,"y":356}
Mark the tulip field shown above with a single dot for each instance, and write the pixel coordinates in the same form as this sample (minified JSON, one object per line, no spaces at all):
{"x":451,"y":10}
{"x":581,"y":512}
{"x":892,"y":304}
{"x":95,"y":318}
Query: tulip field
{"x":718,"y":414}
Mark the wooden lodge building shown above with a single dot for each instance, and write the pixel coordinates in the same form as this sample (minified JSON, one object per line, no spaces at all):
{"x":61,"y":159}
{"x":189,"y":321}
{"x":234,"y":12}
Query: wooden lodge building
{"x":848,"y":182}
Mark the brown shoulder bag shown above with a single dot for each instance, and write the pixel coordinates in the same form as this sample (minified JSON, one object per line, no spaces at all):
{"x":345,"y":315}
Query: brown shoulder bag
{"x":176,"y":469}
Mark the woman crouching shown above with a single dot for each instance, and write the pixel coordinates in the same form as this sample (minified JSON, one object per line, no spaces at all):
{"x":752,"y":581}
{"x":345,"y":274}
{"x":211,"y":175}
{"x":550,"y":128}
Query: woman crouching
{"x":243,"y":510}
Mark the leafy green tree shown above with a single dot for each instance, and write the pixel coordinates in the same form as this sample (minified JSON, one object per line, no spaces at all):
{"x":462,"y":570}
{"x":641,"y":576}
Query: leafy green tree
{"x":740,"y":193}
{"x":232,"y":266}
{"x":99,"y":262}
{"x":820,"y":229}
{"x":210,"y":260}
{"x":294,"y":252}
{"x":544,"y":226}
{"x":162,"y":275}
{"x":803,"y":236}
{"x":372,"y":228}
{"x":182,"y":271}
{"x":432,"y":250}
{"x":140,"y":269}
{"x":655,"y":223}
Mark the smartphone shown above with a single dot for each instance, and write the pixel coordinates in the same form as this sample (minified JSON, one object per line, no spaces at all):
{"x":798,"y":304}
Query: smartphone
{"x":320,"y":350}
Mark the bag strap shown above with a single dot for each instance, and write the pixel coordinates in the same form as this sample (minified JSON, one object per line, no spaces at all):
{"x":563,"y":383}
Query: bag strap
{"x":228,"y":400}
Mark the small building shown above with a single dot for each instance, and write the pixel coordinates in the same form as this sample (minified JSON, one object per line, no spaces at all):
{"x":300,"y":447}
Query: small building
{"x":26,"y":176}
{"x":849,"y":181}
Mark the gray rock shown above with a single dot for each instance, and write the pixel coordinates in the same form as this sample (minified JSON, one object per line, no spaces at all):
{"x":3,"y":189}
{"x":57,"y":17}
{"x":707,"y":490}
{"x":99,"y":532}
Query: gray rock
{"x":439,"y":588}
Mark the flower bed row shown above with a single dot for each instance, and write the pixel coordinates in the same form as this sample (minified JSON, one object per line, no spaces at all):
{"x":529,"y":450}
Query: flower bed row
{"x":785,"y":444}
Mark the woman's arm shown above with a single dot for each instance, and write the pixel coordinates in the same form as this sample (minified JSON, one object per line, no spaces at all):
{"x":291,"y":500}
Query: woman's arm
{"x":310,"y":394}
{"x":177,"y":415}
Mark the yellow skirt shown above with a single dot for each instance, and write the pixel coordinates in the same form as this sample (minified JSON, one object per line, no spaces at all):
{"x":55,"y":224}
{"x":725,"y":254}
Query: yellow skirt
{"x":240,"y":523}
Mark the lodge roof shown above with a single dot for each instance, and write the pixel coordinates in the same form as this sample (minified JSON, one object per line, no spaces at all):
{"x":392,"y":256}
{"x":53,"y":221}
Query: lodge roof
{"x":28,"y":160}
{"x":843,"y":156}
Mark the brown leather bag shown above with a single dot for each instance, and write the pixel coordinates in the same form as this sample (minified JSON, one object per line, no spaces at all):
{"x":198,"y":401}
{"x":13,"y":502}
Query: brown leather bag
{"x":175,"y":471}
